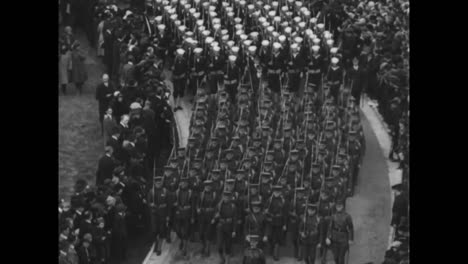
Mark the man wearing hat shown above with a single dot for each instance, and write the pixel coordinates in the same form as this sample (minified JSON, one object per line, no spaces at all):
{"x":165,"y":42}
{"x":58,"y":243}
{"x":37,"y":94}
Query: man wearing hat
{"x":315,"y":67}
{"x":104,"y":93}
{"x":334,"y":77}
{"x":253,"y":255}
{"x":215,"y":69}
{"x":106,"y":166}
{"x":265,"y":185}
{"x":296,"y":210}
{"x":296,"y":68}
{"x":226,"y":216}
{"x":119,"y":233}
{"x":340,"y":232}
{"x":275,"y":69}
{"x":179,"y":78}
{"x":206,"y":206}
{"x":184,"y":213}
{"x":355,"y":154}
{"x":355,"y":77}
{"x":255,"y":222}
{"x":276,"y":213}
{"x":231,"y":78}
{"x":197,"y":70}
{"x":159,"y":199}
{"x":312,"y":231}
{"x":162,"y":42}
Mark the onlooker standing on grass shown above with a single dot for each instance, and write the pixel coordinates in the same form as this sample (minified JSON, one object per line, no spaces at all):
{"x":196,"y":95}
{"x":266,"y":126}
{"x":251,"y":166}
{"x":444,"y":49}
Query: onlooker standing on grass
{"x":65,"y":65}
{"x":104,"y":93}
{"x":79,"y":75}
{"x":109,"y":124}
{"x":105,"y":167}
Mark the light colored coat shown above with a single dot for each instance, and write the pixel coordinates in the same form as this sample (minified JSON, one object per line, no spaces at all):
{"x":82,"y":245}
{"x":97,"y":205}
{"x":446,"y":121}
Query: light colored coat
{"x":65,"y":65}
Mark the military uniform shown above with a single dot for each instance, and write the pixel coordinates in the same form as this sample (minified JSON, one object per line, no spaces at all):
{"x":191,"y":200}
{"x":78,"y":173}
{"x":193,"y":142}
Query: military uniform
{"x":197,"y":71}
{"x":159,"y":205}
{"x":253,"y":255}
{"x":335,"y":78}
{"x":184,"y":207}
{"x":340,"y":232}
{"x":275,"y":68}
{"x":312,"y":232}
{"x":226,"y":215}
{"x":215,"y":72}
{"x":179,"y":76}
{"x":276,"y":212}
{"x":231,"y":79}
{"x":206,"y":211}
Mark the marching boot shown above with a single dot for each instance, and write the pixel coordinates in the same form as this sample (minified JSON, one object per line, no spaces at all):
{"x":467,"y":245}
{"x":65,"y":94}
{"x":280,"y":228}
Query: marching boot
{"x":276,"y":252}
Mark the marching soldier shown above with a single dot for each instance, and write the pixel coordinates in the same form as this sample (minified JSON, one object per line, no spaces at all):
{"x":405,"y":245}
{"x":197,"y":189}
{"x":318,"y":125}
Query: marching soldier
{"x":275,"y":68}
{"x":315,"y":67}
{"x":255,"y":223}
{"x":159,"y":201}
{"x":340,"y":233}
{"x":179,"y":78}
{"x":276,"y":213}
{"x":295,"y":213}
{"x":226,"y":215}
{"x":215,"y":69}
{"x":335,"y":77}
{"x":253,"y":255}
{"x":312,"y":232}
{"x":197,"y":70}
{"x":206,"y":212}
{"x":184,"y":213}
{"x":295,"y":70}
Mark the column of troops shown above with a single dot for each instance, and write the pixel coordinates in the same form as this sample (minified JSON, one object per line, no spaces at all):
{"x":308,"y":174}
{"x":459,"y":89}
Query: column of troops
{"x":264,"y":158}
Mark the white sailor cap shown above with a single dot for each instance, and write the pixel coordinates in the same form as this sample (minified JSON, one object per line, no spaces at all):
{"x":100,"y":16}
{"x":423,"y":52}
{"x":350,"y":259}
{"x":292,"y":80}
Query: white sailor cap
{"x":287,"y":30}
{"x":315,"y":48}
{"x":334,"y":60}
{"x":201,"y":29}
{"x":182,"y":28}
{"x":298,"y":3}
{"x":275,"y":34}
{"x":158,"y":19}
{"x":135,"y":105}
{"x":192,"y":11}
{"x":272,"y":13}
{"x":302,"y":24}
{"x":216,"y":48}
{"x":265,"y":25}
{"x":267,"y":7}
{"x":243,"y":37}
{"x":214,"y":44}
{"x":209,"y":40}
{"x":225,"y":4}
{"x":250,"y":7}
{"x":309,"y":32}
{"x":116,"y":93}
{"x":238,"y":27}
{"x":242,"y":3}
{"x":189,"y":39}
{"x":173,"y":17}
{"x":254,"y":34}
{"x":277,"y":19}
{"x":290,"y":1}
{"x":284,"y":24}
{"x":265,"y":43}
{"x":284,"y":8}
{"x":187,"y":6}
{"x":282,"y":38}
{"x":313,"y":20}
{"x":166,"y":8}
{"x":298,"y":40}
{"x":261,"y":20}
{"x":216,"y":20}
{"x":230,"y":43}
{"x":252,"y":49}
{"x":320,"y":26}
{"x":196,"y":15}
{"x":235,"y":49}
{"x":297,"y":19}
{"x":274,"y":4}
{"x":238,"y":20}
{"x":198,"y":50}
{"x":232,"y":58}
{"x":224,"y":31}
{"x":212,"y":8}
{"x":213,"y":14}
{"x":334,"y":50}
{"x":303,"y":9}
{"x":330,"y":42}
{"x":161,"y":27}
{"x":230,"y":14}
{"x":216,"y":26}
{"x":225,"y":38}
{"x":183,"y":2}
{"x":239,"y":32}
{"x":247,"y":42}
{"x":206,"y":33}
{"x":229,"y":9}
{"x":294,"y":46}
{"x":270,"y":29}
{"x":276,"y":45}
{"x":180,"y":52}
{"x":316,"y":41}
{"x":174,"y":2}
{"x":197,"y":2}
{"x":200,"y":22}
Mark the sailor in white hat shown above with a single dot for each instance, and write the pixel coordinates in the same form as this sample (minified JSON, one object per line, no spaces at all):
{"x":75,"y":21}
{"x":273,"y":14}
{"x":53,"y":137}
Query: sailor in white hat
{"x":215,"y":70}
{"x":335,"y":77}
{"x":231,"y":77}
{"x":197,"y":71}
{"x":179,"y":78}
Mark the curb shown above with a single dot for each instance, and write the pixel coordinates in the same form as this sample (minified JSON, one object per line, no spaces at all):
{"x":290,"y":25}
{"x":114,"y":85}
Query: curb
{"x":380,"y":128}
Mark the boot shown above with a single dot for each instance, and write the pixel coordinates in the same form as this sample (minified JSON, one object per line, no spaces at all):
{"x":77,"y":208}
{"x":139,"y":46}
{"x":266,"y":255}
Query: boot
{"x":276,"y":252}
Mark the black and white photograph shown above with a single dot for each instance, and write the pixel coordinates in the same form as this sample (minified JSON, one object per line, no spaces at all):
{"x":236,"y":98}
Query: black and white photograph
{"x":233,"y":132}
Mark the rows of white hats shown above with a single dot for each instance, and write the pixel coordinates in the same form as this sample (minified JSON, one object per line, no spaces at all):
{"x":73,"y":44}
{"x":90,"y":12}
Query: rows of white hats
{"x":277,"y":23}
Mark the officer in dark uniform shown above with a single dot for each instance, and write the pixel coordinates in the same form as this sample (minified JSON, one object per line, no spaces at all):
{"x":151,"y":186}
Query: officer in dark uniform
{"x":253,"y":255}
{"x":206,"y":211}
{"x":158,"y":201}
{"x":296,"y":210}
{"x":335,"y":77}
{"x":275,"y":68}
{"x":179,"y":78}
{"x":197,"y":69}
{"x":226,"y":216}
{"x":276,"y":213}
{"x":184,"y":214}
{"x":215,"y":69}
{"x":312,"y":231}
{"x":315,"y":67}
{"x":340,"y":232}
{"x":295,"y":69}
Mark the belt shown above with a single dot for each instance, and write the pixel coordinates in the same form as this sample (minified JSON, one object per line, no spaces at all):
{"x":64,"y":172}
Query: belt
{"x":198,"y":73}
{"x":294,"y":71}
{"x":335,"y":82}
{"x":225,"y":220}
{"x":230,"y":81}
{"x":340,"y":230}
{"x":162,"y":205}
{"x":274,"y":71}
{"x":207,"y":209}
{"x":177,"y":77}
{"x":314,"y":71}
{"x":216,"y":72}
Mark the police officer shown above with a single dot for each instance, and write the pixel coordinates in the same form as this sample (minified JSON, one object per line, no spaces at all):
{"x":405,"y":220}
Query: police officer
{"x":340,"y":232}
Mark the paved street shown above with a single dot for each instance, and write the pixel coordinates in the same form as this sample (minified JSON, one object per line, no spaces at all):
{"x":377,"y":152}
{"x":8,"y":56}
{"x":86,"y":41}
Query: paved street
{"x":80,"y":146}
